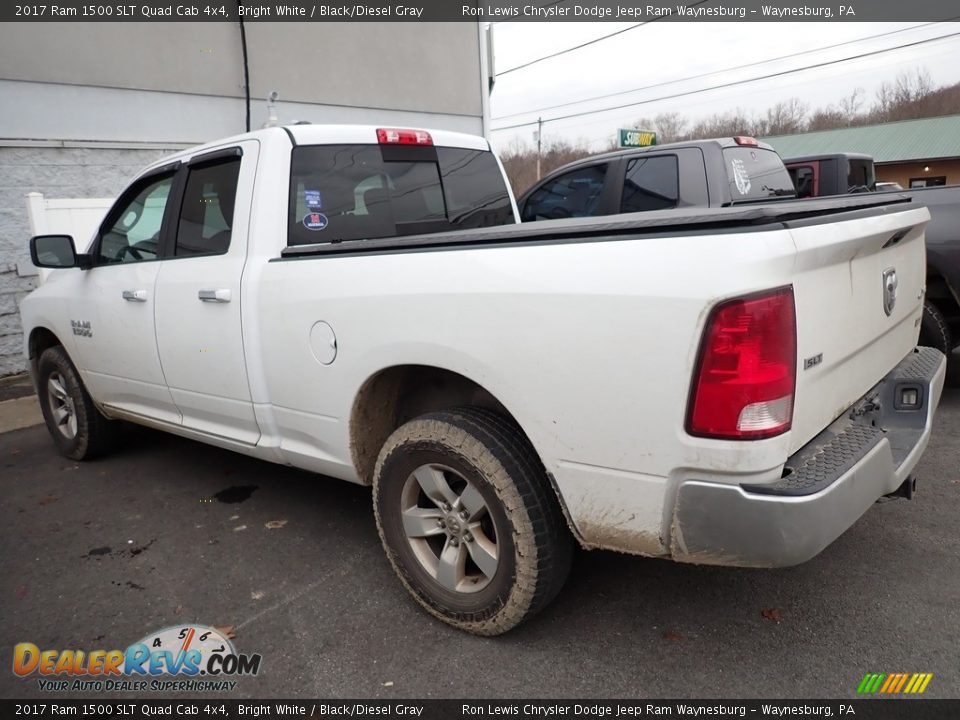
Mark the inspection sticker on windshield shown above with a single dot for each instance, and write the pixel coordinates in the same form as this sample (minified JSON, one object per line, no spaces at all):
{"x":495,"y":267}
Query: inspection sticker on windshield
{"x":740,"y":176}
{"x":315,"y":221}
{"x":312,"y":199}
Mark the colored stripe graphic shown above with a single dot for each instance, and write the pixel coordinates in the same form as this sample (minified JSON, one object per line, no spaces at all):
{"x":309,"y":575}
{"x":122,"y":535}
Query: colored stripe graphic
{"x":894,"y":683}
{"x":912,"y":683}
{"x":903,"y":680}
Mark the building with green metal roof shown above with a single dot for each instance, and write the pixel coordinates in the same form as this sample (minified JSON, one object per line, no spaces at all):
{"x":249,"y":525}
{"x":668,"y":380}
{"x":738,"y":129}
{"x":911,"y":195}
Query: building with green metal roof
{"x":914,"y":153}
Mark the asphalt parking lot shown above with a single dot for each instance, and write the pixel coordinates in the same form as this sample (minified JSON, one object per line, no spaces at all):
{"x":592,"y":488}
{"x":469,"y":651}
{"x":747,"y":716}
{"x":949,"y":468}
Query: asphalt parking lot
{"x":96,"y":555}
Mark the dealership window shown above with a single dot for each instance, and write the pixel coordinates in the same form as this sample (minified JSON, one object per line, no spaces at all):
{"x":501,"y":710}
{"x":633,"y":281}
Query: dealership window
{"x":935,"y":181}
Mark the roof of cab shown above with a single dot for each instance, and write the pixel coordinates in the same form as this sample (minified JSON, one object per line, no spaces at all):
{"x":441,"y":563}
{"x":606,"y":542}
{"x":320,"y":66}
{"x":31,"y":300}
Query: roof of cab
{"x":325,"y":134}
{"x":723,"y":142}
{"x":367,"y":134}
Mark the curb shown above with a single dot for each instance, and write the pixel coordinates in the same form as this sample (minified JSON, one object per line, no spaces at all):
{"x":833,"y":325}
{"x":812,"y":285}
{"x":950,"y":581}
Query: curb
{"x":20,"y":413}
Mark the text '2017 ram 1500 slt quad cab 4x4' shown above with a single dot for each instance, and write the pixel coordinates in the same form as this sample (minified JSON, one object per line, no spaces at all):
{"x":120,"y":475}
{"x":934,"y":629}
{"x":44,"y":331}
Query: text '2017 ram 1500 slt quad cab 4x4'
{"x":732,"y":386}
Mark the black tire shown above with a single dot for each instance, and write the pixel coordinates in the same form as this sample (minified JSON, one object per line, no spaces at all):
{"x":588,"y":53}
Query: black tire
{"x":78,"y":429}
{"x":478,"y":448}
{"x":934,"y":330}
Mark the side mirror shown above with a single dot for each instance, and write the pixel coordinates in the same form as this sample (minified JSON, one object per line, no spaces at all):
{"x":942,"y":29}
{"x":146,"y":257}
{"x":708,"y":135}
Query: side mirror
{"x":55,"y":251}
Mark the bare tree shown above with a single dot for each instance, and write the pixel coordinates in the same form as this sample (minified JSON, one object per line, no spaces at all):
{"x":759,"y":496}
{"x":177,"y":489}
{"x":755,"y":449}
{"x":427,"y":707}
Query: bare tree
{"x":826,"y":118}
{"x":726,"y":124}
{"x":851,"y":105}
{"x":904,"y":98}
{"x":786,"y":118}
{"x":520,"y":160}
{"x":670,"y":126}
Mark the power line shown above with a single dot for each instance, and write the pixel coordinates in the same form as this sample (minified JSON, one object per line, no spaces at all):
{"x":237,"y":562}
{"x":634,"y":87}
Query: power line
{"x":718,"y":72}
{"x":731,"y":84}
{"x":589,"y":42}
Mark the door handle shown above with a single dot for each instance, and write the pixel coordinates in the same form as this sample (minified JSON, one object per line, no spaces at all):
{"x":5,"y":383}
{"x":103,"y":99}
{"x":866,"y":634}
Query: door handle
{"x":222,"y":295}
{"x":135,"y":295}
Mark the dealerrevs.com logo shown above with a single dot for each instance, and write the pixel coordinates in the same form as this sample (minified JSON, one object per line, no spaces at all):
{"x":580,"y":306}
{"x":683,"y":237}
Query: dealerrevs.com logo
{"x":188,"y":658}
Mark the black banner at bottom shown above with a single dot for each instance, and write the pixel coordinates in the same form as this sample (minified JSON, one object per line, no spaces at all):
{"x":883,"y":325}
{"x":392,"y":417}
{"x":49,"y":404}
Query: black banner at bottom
{"x":885,"y":709}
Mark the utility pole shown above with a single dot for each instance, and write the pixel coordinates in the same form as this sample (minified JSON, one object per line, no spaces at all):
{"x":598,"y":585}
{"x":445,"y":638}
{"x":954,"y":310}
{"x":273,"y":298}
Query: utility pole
{"x":539,"y":137}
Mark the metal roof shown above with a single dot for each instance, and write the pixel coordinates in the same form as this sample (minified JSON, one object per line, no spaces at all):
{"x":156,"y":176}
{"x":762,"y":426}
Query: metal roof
{"x":925,"y":139}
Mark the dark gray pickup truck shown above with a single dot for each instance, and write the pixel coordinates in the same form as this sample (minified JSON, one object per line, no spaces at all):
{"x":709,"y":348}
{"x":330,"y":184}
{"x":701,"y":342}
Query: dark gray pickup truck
{"x":941,"y":319}
{"x":701,"y":173}
{"x":842,"y":173}
{"x":723,"y":172}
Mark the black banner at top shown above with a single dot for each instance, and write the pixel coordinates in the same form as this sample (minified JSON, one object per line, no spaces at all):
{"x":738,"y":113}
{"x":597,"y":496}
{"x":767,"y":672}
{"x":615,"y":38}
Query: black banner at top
{"x":381,"y":709}
{"x":489,"y":11}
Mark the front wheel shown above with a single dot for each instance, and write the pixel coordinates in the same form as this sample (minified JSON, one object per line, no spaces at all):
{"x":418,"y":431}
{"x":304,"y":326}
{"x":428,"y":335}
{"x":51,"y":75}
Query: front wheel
{"x":468,"y":520}
{"x":78,"y":429}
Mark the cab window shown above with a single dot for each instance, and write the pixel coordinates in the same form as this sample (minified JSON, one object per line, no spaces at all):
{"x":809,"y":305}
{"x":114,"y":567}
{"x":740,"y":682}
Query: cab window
{"x":574,"y":194}
{"x":206,"y":216}
{"x":803,"y":177}
{"x":651,"y":183}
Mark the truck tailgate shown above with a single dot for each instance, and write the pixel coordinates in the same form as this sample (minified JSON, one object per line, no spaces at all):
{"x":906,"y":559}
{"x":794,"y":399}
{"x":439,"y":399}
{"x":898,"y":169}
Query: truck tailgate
{"x":858,"y":287}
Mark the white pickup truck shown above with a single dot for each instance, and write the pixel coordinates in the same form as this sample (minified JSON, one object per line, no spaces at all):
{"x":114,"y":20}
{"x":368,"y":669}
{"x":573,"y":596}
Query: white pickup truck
{"x":732,"y":385}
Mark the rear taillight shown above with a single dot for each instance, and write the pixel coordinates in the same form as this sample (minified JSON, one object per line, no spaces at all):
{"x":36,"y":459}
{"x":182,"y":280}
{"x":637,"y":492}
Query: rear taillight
{"x":397,"y":136}
{"x":746,"y":141}
{"x":746,"y":372}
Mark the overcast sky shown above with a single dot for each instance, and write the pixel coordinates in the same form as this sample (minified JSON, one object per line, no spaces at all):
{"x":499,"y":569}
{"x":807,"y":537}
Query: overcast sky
{"x":665,"y":51}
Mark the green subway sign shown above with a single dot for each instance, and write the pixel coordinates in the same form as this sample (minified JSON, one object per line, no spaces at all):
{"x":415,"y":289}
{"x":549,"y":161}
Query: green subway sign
{"x":637,"y":138}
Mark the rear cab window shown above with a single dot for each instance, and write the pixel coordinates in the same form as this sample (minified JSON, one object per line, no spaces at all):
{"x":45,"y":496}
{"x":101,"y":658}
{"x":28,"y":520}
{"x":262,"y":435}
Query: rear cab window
{"x":359,"y":192}
{"x":756,"y":174}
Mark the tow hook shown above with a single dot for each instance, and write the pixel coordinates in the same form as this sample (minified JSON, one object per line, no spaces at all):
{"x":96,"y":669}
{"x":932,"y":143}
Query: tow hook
{"x":906,"y":490}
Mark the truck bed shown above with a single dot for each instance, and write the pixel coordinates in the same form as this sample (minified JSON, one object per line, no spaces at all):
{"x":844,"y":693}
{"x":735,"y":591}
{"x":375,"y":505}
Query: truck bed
{"x":658,"y":222}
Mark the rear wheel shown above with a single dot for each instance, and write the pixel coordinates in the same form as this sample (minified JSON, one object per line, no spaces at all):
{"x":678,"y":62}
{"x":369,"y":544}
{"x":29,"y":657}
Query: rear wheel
{"x":78,"y":429}
{"x":934,"y":330}
{"x":468,"y":520}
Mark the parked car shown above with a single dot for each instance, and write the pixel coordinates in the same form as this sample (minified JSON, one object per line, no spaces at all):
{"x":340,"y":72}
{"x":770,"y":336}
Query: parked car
{"x":839,"y":173}
{"x":730,"y":386}
{"x":831,"y":174}
{"x":881,"y":186}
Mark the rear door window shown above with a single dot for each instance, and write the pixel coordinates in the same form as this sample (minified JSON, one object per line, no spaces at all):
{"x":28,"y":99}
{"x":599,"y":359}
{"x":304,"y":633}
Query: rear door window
{"x":756,"y":174}
{"x":357,"y":192}
{"x":573,"y":194}
{"x":651,"y":183}
{"x":206,"y":216}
